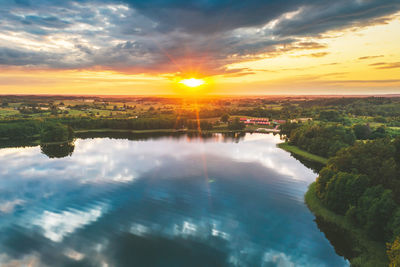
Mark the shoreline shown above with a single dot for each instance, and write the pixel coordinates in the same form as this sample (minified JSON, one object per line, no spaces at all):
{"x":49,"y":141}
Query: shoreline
{"x":302,"y":153}
{"x":369,"y":253}
{"x":36,"y":141}
{"x":154,"y":131}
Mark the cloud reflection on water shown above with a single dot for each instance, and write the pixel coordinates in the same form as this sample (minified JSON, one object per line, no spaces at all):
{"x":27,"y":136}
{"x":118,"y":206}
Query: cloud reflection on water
{"x":112,"y":197}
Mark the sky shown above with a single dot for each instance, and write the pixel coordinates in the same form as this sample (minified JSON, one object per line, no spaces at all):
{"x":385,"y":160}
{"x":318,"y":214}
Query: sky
{"x":252,"y":47}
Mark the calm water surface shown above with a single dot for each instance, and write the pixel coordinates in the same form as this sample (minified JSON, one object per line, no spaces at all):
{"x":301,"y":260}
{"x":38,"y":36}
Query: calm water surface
{"x":169,"y":201}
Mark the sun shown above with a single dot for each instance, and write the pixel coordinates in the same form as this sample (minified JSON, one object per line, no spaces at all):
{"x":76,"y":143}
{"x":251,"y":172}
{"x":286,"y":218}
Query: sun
{"x":192,"y":82}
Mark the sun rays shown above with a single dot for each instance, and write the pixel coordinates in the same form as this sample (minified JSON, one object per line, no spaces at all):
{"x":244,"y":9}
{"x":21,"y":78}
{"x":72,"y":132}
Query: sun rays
{"x":192,"y":82}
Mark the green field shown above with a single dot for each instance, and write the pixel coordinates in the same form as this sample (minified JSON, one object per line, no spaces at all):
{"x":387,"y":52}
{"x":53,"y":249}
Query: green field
{"x":302,"y":153}
{"x":4,"y":112}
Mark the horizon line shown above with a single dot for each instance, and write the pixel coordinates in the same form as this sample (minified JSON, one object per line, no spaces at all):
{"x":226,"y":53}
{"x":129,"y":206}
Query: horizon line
{"x":209,"y":95}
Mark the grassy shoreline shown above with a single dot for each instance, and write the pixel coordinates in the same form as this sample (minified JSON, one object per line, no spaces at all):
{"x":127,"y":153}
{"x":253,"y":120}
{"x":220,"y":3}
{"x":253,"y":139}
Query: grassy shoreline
{"x":158,"y":131}
{"x":303,"y":153}
{"x":369,"y":253}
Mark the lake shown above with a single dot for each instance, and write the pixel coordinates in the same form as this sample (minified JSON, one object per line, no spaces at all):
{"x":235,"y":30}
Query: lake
{"x":177,"y":200}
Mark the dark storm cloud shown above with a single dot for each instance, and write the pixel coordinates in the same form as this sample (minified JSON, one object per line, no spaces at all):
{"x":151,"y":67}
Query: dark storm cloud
{"x":162,"y":35}
{"x":327,"y":15}
{"x":9,"y":56}
{"x":214,"y":16}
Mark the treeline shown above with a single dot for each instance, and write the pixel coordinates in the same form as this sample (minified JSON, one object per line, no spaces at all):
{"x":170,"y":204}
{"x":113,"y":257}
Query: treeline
{"x":258,"y":112}
{"x":364,"y":132}
{"x":62,"y":129}
{"x":202,"y":125}
{"x":320,"y":139}
{"x":325,"y":139}
{"x":369,"y":106}
{"x":46,"y":131}
{"x":124,"y":124}
{"x":20,"y":130}
{"x":362,"y":182}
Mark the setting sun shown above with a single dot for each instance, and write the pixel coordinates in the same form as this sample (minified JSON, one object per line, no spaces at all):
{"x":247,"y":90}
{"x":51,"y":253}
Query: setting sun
{"x":192,"y":82}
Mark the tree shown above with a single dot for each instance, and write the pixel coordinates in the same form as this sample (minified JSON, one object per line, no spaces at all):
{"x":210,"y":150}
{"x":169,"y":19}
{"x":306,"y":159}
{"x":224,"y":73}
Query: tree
{"x":206,"y":125}
{"x":53,"y":110}
{"x":19,"y":130}
{"x":376,"y":159}
{"x":363,"y":182}
{"x":225,"y":118}
{"x":375,"y":208}
{"x":236,"y":125}
{"x":287,"y":128}
{"x":343,"y":191}
{"x":330,"y":115}
{"x":321,"y":139}
{"x":54,"y":132}
{"x":394,"y":223}
{"x":362,"y":131}
{"x":379,"y":132}
{"x":393,"y":252}
{"x":57,"y":150}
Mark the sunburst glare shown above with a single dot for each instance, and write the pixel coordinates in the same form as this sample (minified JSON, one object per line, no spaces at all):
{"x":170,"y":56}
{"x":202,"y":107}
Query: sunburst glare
{"x":192,"y":82}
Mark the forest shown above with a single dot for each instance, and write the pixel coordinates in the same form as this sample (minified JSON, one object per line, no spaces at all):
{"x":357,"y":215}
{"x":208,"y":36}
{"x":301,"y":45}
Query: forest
{"x":361,"y":180}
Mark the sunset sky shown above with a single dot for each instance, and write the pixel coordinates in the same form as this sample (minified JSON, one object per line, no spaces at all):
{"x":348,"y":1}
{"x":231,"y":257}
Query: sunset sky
{"x":137,"y":47}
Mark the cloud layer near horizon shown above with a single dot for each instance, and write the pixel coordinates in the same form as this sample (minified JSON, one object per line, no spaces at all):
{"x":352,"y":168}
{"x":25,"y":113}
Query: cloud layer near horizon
{"x":167,"y":37}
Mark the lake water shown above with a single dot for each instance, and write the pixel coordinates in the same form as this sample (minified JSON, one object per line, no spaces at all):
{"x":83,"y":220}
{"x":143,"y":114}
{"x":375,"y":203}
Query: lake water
{"x":165,"y":201}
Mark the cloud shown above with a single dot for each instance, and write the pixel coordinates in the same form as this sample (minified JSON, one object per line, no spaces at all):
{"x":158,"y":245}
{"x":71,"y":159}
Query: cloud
{"x":319,"y":54}
{"x":377,"y":64}
{"x":58,"y":225}
{"x":9,"y":206}
{"x":20,"y":57}
{"x":366,"y":81}
{"x":321,"y":16}
{"x":369,"y":57}
{"x":160,"y":36}
{"x":384,"y":65}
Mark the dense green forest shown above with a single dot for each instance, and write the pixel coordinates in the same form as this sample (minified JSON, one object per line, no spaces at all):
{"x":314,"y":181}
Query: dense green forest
{"x":362,"y":178}
{"x":320,"y":139}
{"x":363,"y":183}
{"x":326,"y":139}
